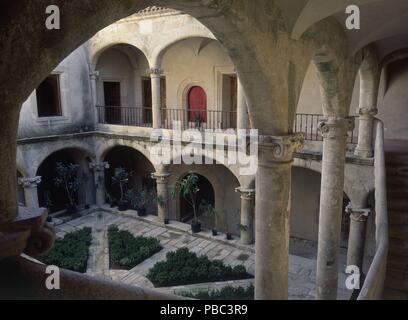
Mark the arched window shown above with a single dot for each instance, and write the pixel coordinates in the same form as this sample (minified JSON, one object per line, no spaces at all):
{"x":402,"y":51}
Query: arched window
{"x":197,"y":105}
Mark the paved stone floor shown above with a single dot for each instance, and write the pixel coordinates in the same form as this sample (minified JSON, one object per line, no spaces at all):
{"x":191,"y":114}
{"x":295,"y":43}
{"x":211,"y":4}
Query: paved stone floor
{"x":178,"y":235}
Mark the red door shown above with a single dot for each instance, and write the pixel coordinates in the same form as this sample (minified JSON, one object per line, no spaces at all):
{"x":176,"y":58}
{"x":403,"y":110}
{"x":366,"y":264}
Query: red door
{"x":197,"y":105}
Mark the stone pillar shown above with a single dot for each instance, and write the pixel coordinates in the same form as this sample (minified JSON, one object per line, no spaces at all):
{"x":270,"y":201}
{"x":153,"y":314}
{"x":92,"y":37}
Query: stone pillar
{"x":30,"y":191}
{"x":357,"y":235}
{"x":242,"y":108}
{"x":93,"y":76}
{"x":155,"y":75}
{"x":273,"y":185}
{"x":99,"y":176}
{"x":364,"y":147}
{"x":247,"y":215}
{"x":162,"y":183}
{"x":334,"y":131}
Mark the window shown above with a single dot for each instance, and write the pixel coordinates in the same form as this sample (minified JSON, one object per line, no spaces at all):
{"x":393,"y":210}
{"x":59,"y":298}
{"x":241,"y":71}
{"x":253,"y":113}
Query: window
{"x":48,"y":97}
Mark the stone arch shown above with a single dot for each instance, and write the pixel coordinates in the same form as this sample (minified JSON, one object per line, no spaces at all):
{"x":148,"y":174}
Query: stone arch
{"x":217,"y":176}
{"x":183,"y":90}
{"x":136,"y":164}
{"x":103,"y":146}
{"x":47,"y":191}
{"x":369,"y":74}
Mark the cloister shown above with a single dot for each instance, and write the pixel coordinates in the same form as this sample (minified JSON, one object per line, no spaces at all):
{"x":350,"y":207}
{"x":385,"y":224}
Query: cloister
{"x":328,"y":104}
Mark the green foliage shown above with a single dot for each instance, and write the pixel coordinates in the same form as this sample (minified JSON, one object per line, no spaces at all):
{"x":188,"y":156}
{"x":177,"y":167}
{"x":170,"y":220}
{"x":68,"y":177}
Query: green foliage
{"x":227,"y":293}
{"x":188,"y":188}
{"x":207,"y":209}
{"x":127,"y":251}
{"x":140,"y":199}
{"x":121,"y":178}
{"x":67,"y":177}
{"x":185,"y":267}
{"x":70,"y":252}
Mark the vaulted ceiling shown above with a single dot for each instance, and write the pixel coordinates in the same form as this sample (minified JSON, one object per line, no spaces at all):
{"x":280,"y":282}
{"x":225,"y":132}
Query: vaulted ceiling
{"x":383,"y":22}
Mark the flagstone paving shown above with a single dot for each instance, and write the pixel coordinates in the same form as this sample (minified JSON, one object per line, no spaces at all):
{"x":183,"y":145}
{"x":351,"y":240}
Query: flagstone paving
{"x":177,"y":235}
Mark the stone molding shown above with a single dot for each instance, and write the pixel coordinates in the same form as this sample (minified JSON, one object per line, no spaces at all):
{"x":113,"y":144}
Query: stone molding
{"x":246,"y":194}
{"x":155,"y":72}
{"x":334,"y":127}
{"x":32,"y":182}
{"x":358,"y":214}
{"x":368,"y":112}
{"x":161,"y":177}
{"x":99,"y":167}
{"x":279,"y":149}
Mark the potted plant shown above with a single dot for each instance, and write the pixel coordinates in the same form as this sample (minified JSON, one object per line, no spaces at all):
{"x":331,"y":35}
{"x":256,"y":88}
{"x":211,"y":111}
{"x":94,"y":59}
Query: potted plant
{"x":121,"y":178}
{"x":208,"y":209}
{"x":48,"y":203}
{"x":67,"y":178}
{"x":143,"y":199}
{"x":188,"y":188}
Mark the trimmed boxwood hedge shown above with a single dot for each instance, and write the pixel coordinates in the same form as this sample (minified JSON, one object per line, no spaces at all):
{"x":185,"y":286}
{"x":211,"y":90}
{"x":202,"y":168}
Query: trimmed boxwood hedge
{"x":71,"y":252}
{"x":127,"y":251}
{"x":185,"y":267}
{"x":227,"y":293}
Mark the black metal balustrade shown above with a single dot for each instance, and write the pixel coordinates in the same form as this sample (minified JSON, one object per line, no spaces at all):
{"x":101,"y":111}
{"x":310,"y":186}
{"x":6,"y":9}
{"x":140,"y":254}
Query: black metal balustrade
{"x":204,"y":119}
{"x":198,"y":119}
{"x":125,"y":116}
{"x":309,"y":125}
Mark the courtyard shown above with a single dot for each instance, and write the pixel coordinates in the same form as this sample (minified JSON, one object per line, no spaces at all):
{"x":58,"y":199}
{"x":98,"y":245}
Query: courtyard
{"x":176,"y":235}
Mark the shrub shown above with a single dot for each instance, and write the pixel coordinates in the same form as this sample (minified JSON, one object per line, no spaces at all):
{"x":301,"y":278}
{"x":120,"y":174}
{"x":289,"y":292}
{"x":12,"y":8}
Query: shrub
{"x":127,"y":251}
{"x":185,"y":267}
{"x":227,"y":293}
{"x":70,"y":252}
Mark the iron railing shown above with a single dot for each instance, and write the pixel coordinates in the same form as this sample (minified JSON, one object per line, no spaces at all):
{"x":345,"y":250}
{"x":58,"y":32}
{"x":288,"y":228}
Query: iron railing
{"x":309,"y":125}
{"x":125,"y":116}
{"x":198,"y":119}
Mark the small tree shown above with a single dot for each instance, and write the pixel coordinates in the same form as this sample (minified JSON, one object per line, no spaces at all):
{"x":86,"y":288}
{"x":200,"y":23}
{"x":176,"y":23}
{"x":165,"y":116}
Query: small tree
{"x":144,"y":198}
{"x":208,"y":209}
{"x":121,"y":178}
{"x":188,"y":188}
{"x":67,"y":177}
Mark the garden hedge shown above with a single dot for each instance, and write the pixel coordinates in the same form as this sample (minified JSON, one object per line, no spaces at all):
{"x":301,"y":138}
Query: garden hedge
{"x":127,"y":251}
{"x":185,"y":267}
{"x":71,"y":252}
{"x":227,"y":293}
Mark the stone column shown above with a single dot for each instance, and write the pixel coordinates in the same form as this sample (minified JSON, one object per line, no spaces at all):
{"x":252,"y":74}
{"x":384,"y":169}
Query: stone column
{"x":357,"y":235}
{"x":162,"y":183}
{"x":30,"y":191}
{"x":99,"y":176}
{"x":334,"y":131}
{"x":155,"y":75}
{"x":364,"y":147}
{"x":242,"y":108}
{"x":247,"y":214}
{"x":93,"y":76}
{"x":273,"y":185}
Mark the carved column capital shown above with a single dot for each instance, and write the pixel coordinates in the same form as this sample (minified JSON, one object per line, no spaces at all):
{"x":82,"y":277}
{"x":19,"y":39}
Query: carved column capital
{"x":94,"y":75}
{"x":31,"y":182}
{"x":161,"y":177}
{"x":99,"y":167}
{"x":372,"y":112}
{"x":155,"y":72}
{"x":358,"y":214}
{"x":279,"y":149}
{"x":246,"y":194}
{"x":334,"y":127}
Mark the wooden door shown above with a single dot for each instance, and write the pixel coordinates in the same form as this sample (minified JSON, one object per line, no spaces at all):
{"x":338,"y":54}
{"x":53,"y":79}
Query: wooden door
{"x":197,"y":105}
